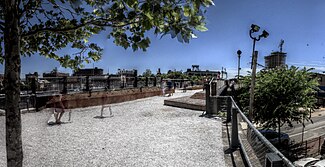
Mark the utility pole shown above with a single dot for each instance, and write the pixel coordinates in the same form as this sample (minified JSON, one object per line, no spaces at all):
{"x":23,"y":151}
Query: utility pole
{"x":251,"y":98}
{"x":238,"y":53}
{"x":265,"y":34}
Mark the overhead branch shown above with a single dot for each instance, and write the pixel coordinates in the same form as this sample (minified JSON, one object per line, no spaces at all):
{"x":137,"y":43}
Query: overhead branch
{"x":28,"y":6}
{"x":67,"y":9}
{"x":2,"y":25}
{"x":96,"y":22}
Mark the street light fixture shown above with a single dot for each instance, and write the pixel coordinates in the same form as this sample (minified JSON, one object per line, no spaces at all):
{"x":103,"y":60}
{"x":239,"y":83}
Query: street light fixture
{"x":256,"y":28}
{"x":265,"y":34}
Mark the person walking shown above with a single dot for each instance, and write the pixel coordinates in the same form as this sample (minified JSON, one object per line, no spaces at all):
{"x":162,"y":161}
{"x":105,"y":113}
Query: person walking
{"x":169,"y":86}
{"x":163,"y":85}
{"x":185,"y":87}
{"x":58,"y":107}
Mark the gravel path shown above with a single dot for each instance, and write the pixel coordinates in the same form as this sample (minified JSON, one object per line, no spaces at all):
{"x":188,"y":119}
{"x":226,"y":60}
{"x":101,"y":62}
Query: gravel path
{"x":143,"y":132}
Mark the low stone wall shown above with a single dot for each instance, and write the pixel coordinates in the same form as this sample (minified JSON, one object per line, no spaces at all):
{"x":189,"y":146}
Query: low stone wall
{"x":107,"y":97}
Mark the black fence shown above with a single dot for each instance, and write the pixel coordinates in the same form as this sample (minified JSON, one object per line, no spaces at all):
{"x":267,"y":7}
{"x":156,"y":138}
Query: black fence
{"x":26,"y":102}
{"x":87,"y":83}
{"x":34,"y":92}
{"x":307,"y":148}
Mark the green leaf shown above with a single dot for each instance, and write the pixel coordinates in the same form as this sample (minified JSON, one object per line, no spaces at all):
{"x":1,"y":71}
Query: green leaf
{"x":201,"y":28}
{"x":187,"y":11}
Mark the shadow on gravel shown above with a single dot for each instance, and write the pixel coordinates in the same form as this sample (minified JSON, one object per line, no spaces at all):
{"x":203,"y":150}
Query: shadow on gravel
{"x":229,"y":150}
{"x":232,"y":161}
{"x":54,"y":123}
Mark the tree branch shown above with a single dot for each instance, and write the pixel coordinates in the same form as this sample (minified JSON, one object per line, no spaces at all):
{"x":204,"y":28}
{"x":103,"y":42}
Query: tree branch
{"x":27,"y":5}
{"x":67,"y":29}
{"x":2,"y":25}
{"x":53,"y":29}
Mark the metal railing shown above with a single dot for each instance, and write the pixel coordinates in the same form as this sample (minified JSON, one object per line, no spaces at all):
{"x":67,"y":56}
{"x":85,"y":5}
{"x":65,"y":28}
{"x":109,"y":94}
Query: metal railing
{"x":35,"y":92}
{"x":308,"y":148}
{"x":26,"y":102}
{"x":88,"y":83}
{"x":258,"y":151}
{"x":255,"y":149}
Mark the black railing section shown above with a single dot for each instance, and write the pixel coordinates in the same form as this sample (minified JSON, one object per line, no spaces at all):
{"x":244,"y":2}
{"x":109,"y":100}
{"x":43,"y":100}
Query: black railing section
{"x":255,"y":149}
{"x":35,"y":93}
{"x":27,"y":102}
{"x":87,"y":83}
{"x":258,"y":151}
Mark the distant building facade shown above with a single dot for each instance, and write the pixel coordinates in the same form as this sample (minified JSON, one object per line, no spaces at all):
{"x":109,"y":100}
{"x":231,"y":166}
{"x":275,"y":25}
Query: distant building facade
{"x":89,"y":72}
{"x":195,"y":71}
{"x":53,"y":80}
{"x":55,"y":73}
{"x":127,"y":73}
{"x":321,"y":79}
{"x":276,"y":59}
{"x":321,"y":92}
{"x":31,"y":76}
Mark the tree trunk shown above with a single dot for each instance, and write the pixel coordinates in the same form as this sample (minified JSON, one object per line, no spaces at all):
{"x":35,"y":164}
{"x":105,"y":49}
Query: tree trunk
{"x":11,"y":84}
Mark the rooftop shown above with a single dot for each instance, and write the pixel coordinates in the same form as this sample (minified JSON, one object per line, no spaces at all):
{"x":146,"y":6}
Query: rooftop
{"x":143,"y":132}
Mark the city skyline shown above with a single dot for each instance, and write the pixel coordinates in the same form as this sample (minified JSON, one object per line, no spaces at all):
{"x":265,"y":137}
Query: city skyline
{"x":298,"y":23}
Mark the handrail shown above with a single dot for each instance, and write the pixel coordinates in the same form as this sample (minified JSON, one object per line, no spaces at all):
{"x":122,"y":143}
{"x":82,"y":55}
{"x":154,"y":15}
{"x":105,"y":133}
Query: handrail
{"x":211,"y":80}
{"x":264,"y":140}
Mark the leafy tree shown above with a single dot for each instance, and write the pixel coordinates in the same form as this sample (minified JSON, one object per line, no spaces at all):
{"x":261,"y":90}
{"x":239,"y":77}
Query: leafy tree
{"x":29,"y":27}
{"x":163,"y":76}
{"x":196,"y":78}
{"x":282,"y":96}
{"x":147,"y":73}
{"x":175,"y":75}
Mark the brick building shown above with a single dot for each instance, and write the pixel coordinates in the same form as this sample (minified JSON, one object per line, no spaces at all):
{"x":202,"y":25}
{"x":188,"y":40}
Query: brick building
{"x":89,"y":72}
{"x":276,"y":59}
{"x":195,"y":71}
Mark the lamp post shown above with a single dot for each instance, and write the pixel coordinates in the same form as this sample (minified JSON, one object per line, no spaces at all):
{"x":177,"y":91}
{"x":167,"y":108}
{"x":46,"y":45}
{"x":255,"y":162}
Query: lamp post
{"x":254,"y":28}
{"x":238,"y":53}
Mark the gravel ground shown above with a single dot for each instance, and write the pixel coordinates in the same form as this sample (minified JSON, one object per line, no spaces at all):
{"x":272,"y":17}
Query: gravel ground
{"x":143,"y":132}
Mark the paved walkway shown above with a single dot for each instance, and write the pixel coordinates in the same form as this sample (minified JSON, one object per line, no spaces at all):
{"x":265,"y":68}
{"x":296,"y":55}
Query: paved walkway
{"x":143,"y":132}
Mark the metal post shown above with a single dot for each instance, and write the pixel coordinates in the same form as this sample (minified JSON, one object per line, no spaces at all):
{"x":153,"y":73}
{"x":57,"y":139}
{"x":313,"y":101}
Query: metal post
{"x":239,"y":53}
{"x":207,"y":99}
{"x":306,"y":149}
{"x":35,"y":103}
{"x":65,"y":85}
{"x":303,"y":129}
{"x":213,"y":89}
{"x":147,"y":82}
{"x":135,"y":84}
{"x":319,"y":143}
{"x":155,"y":81}
{"x":251,"y":99}
{"x":229,"y":109}
{"x":27,"y":102}
{"x":33,"y":85}
{"x":87,"y":83}
{"x":234,"y":143}
{"x":69,"y":116}
{"x":108,"y":82}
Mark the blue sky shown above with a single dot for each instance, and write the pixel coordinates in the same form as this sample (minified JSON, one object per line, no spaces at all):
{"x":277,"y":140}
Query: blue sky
{"x":299,"y":23}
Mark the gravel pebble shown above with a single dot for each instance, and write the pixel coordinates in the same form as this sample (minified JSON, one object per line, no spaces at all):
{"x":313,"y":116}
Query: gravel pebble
{"x":143,"y":132}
